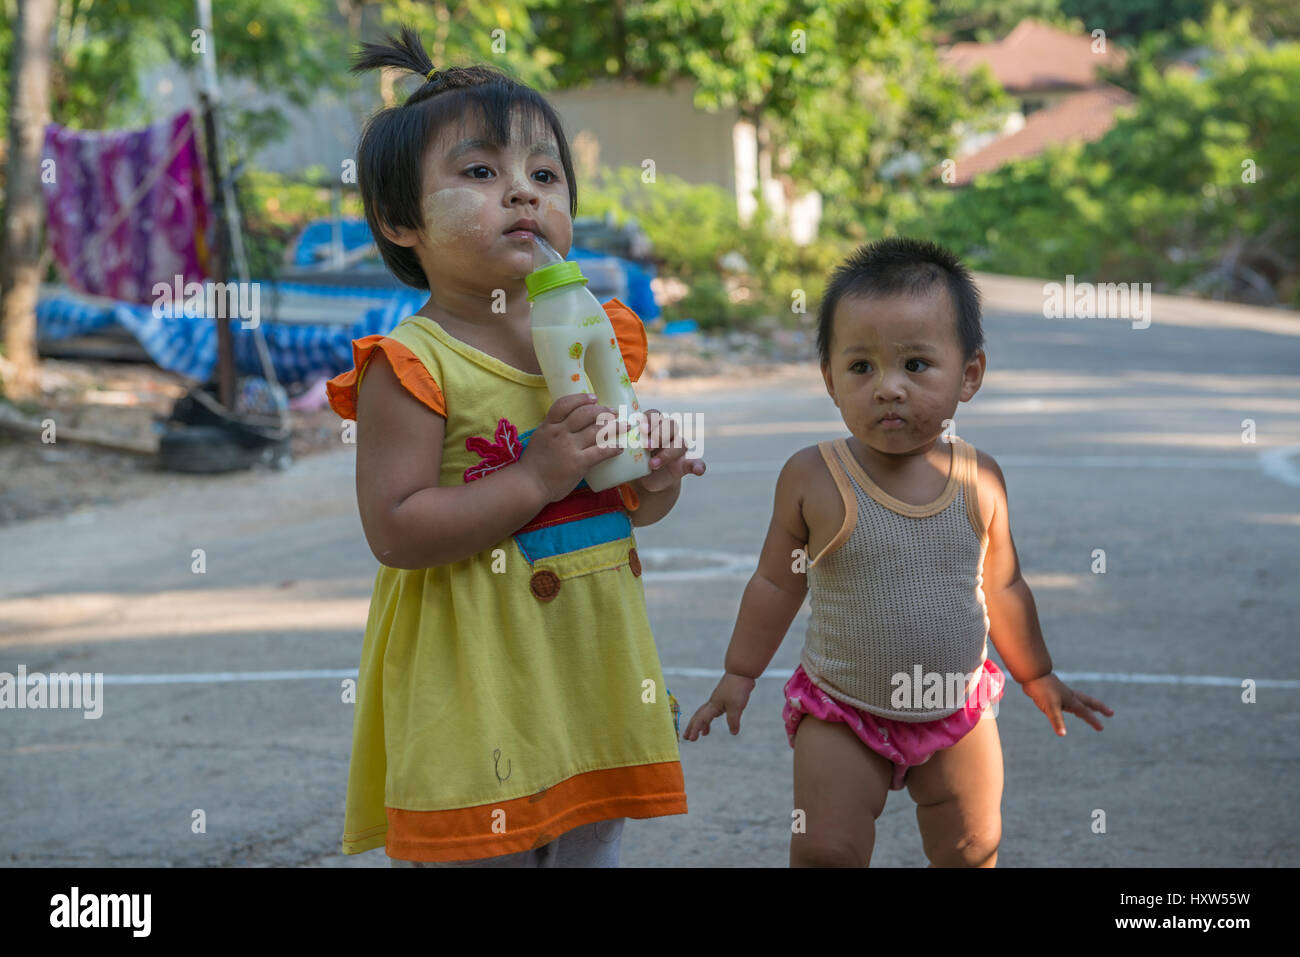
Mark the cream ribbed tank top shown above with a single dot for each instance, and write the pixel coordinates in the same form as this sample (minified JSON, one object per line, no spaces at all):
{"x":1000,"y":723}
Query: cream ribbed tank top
{"x":898,"y":591}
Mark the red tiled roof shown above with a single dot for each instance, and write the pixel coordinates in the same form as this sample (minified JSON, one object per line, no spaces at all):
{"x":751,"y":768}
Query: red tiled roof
{"x":1085,"y":116}
{"x":1036,"y":57}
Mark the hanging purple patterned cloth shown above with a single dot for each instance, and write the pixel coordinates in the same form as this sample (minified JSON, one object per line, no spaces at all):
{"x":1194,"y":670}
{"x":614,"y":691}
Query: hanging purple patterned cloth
{"x":127,"y":208}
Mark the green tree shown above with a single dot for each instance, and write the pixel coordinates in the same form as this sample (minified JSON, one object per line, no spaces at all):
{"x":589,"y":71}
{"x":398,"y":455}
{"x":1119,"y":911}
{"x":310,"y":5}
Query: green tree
{"x":986,"y":22}
{"x":499,"y":32}
{"x":102,"y":47}
{"x":1191,"y":190}
{"x":835,"y":89}
{"x":1126,"y":20}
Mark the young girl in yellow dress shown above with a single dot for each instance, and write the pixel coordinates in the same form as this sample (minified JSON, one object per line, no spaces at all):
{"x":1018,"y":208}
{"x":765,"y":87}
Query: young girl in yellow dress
{"x":511,"y":707}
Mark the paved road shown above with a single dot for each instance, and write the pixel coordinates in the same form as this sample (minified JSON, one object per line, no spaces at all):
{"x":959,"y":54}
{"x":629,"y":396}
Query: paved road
{"x":1128,"y":440}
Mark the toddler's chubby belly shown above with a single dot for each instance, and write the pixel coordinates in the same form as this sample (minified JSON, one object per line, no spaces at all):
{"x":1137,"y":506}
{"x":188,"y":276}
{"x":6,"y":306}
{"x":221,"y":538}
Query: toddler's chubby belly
{"x":893,"y":673}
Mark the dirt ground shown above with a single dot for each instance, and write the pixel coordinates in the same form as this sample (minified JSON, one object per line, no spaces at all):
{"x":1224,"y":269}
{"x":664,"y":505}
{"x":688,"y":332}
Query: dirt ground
{"x":125,"y":403}
{"x":118,"y":402}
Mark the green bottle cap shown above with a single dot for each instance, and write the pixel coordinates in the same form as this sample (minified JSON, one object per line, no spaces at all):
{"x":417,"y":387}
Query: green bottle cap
{"x":552,"y":277}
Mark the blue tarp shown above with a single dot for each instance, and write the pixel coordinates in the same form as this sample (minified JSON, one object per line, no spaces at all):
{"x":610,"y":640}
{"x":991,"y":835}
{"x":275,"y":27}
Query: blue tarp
{"x":188,"y":345}
{"x":314,"y":242}
{"x":300,"y":353}
{"x":640,"y":297}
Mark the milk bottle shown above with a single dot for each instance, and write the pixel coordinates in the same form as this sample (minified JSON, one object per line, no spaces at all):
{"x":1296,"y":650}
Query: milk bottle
{"x":578,"y":352}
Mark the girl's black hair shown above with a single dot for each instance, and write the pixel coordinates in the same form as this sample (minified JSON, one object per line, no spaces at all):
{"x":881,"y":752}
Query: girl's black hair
{"x":912,"y":266}
{"x":390,"y":153}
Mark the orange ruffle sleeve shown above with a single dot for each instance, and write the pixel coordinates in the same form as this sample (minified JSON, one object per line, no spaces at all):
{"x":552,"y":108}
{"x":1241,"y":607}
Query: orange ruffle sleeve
{"x":410,"y":371}
{"x":630,"y":331}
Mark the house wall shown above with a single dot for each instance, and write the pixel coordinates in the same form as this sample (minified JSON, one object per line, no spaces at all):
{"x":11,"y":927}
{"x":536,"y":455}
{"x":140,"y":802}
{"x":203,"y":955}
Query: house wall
{"x":621,"y":124}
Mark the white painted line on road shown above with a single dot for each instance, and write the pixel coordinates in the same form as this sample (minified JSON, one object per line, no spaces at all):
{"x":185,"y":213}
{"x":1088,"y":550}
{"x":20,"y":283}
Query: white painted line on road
{"x":1139,"y":679}
{"x":715,"y":564}
{"x":217,"y":677}
{"x":1120,"y":677}
{"x":1075,"y":461}
{"x":1277,"y":464}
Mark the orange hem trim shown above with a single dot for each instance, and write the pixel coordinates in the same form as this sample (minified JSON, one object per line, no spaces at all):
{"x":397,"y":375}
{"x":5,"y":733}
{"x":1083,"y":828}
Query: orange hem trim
{"x":410,"y":371}
{"x":465,"y":834}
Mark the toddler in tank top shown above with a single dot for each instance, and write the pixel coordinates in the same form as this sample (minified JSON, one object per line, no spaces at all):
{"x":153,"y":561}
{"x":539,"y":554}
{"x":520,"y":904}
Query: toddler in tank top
{"x":900,"y":534}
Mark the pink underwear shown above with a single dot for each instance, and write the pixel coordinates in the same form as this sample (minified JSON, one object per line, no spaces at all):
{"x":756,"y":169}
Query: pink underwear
{"x":905,"y":743}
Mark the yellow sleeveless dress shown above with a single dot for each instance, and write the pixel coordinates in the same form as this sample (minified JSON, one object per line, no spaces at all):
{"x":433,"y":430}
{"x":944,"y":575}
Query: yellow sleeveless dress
{"x":516,"y":694}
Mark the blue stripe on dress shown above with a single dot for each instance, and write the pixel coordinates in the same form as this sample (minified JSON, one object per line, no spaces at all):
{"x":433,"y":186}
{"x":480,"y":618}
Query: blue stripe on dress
{"x":574,"y":535}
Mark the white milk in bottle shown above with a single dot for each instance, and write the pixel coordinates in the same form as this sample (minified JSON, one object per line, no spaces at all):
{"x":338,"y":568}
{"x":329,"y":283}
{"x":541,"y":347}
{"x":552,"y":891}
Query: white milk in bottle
{"x":578,"y":352}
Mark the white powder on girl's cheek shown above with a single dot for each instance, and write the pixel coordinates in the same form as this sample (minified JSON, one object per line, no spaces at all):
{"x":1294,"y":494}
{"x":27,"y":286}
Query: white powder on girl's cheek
{"x":452,"y":215}
{"x":554,"y":207}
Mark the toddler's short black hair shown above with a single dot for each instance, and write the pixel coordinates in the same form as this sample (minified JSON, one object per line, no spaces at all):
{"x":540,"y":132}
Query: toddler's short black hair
{"x":912,"y":266}
{"x":390,"y":154}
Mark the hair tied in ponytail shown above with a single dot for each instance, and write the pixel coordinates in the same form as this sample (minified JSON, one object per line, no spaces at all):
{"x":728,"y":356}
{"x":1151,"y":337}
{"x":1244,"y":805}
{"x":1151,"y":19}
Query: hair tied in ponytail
{"x":397,"y":142}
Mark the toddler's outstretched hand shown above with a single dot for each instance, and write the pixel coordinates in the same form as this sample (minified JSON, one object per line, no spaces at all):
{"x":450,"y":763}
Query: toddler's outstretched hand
{"x":1054,"y":697}
{"x":729,"y":697}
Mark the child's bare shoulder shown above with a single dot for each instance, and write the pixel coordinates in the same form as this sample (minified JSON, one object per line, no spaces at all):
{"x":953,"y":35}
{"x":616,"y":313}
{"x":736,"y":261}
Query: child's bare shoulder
{"x":807,"y":490}
{"x":991,"y":485}
{"x":399,"y":448}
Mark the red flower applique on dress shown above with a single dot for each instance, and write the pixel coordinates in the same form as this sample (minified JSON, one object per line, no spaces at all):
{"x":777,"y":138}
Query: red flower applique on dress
{"x":506,"y":449}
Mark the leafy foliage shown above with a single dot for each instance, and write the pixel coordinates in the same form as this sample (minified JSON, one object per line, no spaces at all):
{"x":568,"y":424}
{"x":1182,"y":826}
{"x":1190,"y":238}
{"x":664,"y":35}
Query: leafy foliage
{"x":275,"y":208}
{"x":986,"y":22}
{"x":1191,"y":191}
{"x":1128,"y":19}
{"x":850,"y":98}
{"x":695,"y":228}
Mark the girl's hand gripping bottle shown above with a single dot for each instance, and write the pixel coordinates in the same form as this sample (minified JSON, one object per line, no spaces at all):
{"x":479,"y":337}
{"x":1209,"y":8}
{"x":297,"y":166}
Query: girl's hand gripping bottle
{"x":578,"y":352}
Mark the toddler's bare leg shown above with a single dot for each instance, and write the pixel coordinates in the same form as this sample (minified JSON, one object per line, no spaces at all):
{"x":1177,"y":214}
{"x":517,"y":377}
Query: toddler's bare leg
{"x":840,"y":784}
{"x":958,"y":795}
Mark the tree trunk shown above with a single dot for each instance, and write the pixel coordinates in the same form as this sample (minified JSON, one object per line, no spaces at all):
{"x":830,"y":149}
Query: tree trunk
{"x":20,"y":247}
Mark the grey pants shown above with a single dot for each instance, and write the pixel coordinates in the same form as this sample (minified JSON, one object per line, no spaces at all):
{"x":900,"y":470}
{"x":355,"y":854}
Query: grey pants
{"x":592,"y":845}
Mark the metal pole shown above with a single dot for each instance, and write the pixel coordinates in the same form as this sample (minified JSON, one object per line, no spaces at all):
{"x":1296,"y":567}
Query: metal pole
{"x":230,"y":235}
{"x":208,"y":96}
